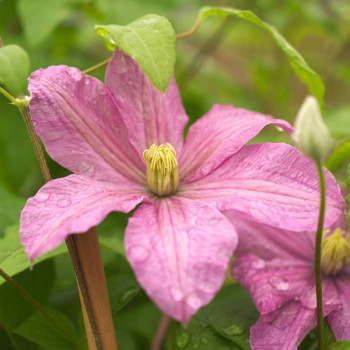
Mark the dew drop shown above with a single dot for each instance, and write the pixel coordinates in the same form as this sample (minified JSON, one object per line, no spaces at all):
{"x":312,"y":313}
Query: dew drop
{"x":176,"y":294}
{"x":194,"y":301}
{"x":64,"y":203}
{"x":279,"y":283}
{"x":214,"y":221}
{"x":206,"y":169}
{"x":225,"y":254}
{"x":42,"y":197}
{"x":138,"y":254}
{"x":204,"y":341}
{"x":182,"y":340}
{"x":86,"y":168}
{"x":258,"y":264}
{"x":234,"y":329}
{"x":74,"y":73}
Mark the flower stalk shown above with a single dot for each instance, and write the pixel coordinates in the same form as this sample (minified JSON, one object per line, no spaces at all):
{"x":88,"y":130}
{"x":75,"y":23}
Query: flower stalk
{"x":318,"y":253}
{"x":86,"y":258}
{"x":160,"y":333}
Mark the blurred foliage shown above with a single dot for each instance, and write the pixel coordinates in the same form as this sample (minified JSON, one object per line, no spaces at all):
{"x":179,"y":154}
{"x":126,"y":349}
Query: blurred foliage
{"x":228,"y":61}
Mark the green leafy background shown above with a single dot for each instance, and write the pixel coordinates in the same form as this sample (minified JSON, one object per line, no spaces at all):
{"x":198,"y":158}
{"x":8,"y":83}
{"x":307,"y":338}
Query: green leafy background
{"x":229,"y":61}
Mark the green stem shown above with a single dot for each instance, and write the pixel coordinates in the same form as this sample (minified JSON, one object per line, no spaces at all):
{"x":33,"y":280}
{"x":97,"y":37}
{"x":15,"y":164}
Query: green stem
{"x":318,"y":246}
{"x":24,"y":109}
{"x":8,"y":96}
{"x":97,"y":66}
{"x":23,"y":106}
{"x":36,"y":305}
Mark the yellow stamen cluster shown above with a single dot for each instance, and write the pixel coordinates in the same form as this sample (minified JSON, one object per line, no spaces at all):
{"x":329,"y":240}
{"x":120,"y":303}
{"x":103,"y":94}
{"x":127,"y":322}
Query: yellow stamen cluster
{"x":162,"y":169}
{"x":335,"y":252}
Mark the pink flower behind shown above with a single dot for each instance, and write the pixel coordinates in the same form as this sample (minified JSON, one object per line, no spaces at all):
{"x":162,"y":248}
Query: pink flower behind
{"x":178,"y":241}
{"x":276,"y":267}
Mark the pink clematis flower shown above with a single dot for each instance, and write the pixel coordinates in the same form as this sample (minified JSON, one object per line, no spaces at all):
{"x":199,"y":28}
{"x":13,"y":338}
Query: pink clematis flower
{"x":124,"y":143}
{"x":277,"y":268}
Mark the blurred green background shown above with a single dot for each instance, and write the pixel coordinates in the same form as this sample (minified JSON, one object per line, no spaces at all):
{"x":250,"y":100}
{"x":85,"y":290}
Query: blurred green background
{"x":228,"y":61}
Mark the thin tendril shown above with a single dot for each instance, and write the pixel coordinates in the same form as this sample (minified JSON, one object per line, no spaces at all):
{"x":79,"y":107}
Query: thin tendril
{"x":318,"y":246}
{"x":97,"y":66}
{"x":190,"y":32}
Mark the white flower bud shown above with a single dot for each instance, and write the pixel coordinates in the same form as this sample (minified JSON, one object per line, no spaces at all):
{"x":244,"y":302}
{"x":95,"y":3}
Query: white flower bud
{"x":311,"y":135}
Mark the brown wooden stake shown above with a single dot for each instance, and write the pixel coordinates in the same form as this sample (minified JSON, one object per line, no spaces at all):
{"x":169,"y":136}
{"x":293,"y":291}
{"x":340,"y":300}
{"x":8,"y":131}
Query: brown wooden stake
{"x":90,"y":261}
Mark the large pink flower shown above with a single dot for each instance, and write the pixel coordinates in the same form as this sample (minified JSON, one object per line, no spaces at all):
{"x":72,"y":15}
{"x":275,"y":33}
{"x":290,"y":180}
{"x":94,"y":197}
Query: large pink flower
{"x":276,"y":267}
{"x":180,"y":244}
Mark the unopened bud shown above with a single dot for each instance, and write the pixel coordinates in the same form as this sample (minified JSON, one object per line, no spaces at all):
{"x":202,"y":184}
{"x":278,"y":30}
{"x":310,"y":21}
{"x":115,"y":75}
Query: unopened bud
{"x":311,"y":135}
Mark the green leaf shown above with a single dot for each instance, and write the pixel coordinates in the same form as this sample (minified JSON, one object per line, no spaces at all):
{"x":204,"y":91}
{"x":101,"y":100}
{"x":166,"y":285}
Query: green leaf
{"x":340,"y":345}
{"x":16,"y":309}
{"x":339,"y":157}
{"x":40,"y":17}
{"x":14,"y":69}
{"x":10,"y":208}
{"x":305,"y":73}
{"x":223,"y":324}
{"x":13,"y":259}
{"x":150,"y":40}
{"x":40,"y":330}
{"x":122,"y":289}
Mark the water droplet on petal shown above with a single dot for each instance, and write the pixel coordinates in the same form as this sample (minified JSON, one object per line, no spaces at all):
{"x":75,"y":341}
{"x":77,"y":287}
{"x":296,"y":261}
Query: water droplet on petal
{"x":42,"y":197}
{"x":74,"y":73}
{"x":214,"y":221}
{"x":234,"y":329}
{"x":64,"y":203}
{"x":182,"y":340}
{"x":204,"y":341}
{"x":176,"y":294}
{"x":86,"y":168}
{"x":225,"y":254}
{"x":206,"y":168}
{"x":279,"y":283}
{"x":258,"y":264}
{"x":194,"y":301}
{"x":139,"y":254}
{"x":207,"y":287}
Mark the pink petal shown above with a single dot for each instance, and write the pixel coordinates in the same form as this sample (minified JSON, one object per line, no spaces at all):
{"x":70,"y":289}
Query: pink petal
{"x":288,"y":327}
{"x":272,"y":283}
{"x":287,"y":330}
{"x":272,"y":183}
{"x":80,"y":125}
{"x":72,"y":205}
{"x":339,"y":320}
{"x":179,"y":250}
{"x":219,"y":134}
{"x":150,"y":116}
{"x":267,"y":242}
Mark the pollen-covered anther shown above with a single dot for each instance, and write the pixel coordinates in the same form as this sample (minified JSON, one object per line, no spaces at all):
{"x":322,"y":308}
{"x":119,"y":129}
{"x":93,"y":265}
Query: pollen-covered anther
{"x":162,"y":169}
{"x":335,"y":252}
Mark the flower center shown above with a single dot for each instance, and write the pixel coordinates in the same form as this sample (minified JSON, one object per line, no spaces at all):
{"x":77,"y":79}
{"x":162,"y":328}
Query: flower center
{"x":335,"y":252}
{"x":162,"y":169}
